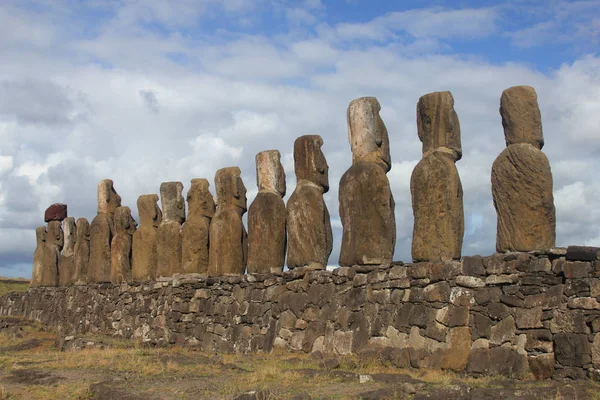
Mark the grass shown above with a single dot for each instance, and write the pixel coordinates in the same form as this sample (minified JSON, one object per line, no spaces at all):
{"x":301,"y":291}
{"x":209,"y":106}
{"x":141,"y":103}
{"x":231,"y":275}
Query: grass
{"x":8,"y":285}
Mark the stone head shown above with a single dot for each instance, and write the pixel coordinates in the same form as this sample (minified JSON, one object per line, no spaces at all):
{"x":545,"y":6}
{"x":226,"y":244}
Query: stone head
{"x":200,"y":200}
{"x":521,"y":117}
{"x":367,"y":133}
{"x":108,"y":198}
{"x":149,"y":211}
{"x":82,"y":227}
{"x":230,"y":187}
{"x":40,"y":235}
{"x":438,"y":125}
{"x":124,"y":222}
{"x":55,"y":235}
{"x":270,"y":175}
{"x":309,"y":161}
{"x":70,"y":232}
{"x":173,"y":203}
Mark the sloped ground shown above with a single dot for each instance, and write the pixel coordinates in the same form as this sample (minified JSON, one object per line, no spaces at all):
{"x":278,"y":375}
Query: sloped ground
{"x":34,"y":365}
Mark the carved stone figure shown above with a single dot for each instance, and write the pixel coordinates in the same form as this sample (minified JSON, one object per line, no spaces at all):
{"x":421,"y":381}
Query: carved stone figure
{"x":365,"y":196}
{"x":170,"y":236}
{"x":228,"y":252}
{"x":266,"y":216}
{"x":102,"y":231}
{"x":196,"y":230}
{"x":38,"y":257}
{"x":437,"y":196}
{"x":120,"y":253}
{"x":310,"y":238}
{"x":66,"y":266}
{"x":82,"y":251}
{"x":144,"y":259}
{"x":52,"y":248}
{"x":521,"y":177}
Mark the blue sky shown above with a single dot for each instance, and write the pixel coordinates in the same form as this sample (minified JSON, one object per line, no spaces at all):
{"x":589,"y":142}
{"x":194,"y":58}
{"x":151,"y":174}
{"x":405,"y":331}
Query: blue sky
{"x":149,"y":91}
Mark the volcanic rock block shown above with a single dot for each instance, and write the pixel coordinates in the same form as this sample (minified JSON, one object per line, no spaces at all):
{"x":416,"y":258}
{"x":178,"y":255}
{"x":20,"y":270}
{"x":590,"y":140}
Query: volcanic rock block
{"x":228,"y":253}
{"x":56,"y":212}
{"x":120,"y":255}
{"x":365,"y":196}
{"x":38,"y":257}
{"x":310,"y":238}
{"x":66,"y":266}
{"x":438,"y":124}
{"x":170,"y":235}
{"x":82,"y":251}
{"x":144,"y":259}
{"x":196,"y":230}
{"x":266,"y":216}
{"x":521,"y":118}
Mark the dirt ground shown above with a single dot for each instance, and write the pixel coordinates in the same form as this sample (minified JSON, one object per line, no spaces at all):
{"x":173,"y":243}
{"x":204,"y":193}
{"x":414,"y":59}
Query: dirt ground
{"x":34,"y":365}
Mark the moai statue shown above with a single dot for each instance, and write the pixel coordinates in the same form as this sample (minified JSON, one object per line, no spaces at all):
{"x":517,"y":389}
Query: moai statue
{"x":38,"y":257}
{"x":521,"y":177}
{"x":54,"y":244}
{"x":366,"y":201}
{"x":196,"y":230}
{"x":66,"y":266}
{"x":82,"y":251}
{"x":266,"y":216}
{"x":102,"y":231}
{"x":144,"y":260}
{"x":437,"y":196}
{"x":310,"y":238}
{"x":170,"y":236}
{"x":120,"y":248}
{"x":228,"y":253}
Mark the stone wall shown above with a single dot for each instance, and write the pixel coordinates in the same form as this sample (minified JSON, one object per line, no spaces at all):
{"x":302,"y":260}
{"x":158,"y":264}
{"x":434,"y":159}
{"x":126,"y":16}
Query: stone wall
{"x":511,"y":314}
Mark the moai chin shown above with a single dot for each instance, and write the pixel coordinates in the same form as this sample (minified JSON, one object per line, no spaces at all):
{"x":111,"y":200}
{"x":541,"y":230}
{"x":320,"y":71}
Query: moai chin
{"x":522,"y":178}
{"x":144,"y":260}
{"x":38,"y":257}
{"x":170,"y":235}
{"x":365,"y":196}
{"x":310,"y":238}
{"x":82,"y":251}
{"x":120,"y":266}
{"x":102,"y":232}
{"x":53,"y":246}
{"x":196,"y":230}
{"x":437,"y":196}
{"x":228,"y":253}
{"x":267,"y":216}
{"x":66,"y":266}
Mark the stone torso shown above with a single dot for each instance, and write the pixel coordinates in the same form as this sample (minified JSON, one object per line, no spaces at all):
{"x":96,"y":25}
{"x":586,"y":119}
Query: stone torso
{"x":266,"y":230}
{"x":229,"y":243}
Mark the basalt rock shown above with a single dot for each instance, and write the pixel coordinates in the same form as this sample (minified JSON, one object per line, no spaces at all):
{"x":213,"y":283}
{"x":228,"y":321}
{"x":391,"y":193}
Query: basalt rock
{"x":102,"y":231}
{"x":144,"y":259}
{"x":170,"y":235}
{"x":56,"y":212}
{"x":66,"y":266}
{"x":38,"y":257}
{"x":82,"y":251}
{"x":196,"y":230}
{"x":267,"y":216}
{"x":120,"y":265}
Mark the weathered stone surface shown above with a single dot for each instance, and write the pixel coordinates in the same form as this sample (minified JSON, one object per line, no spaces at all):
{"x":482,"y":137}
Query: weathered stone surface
{"x":66,"y":265}
{"x":196,"y":230}
{"x":102,"y":231}
{"x":56,"y":212}
{"x":365,"y":196}
{"x":503,"y":331}
{"x":82,"y":251}
{"x":521,"y":118}
{"x":120,"y":265}
{"x":459,"y":346}
{"x":596,"y":351}
{"x":438,"y":125}
{"x":38,"y":257}
{"x":582,"y":253}
{"x":267,"y":240}
{"x":522,"y":192}
{"x":144,"y":260}
{"x":169,"y":233}
{"x":310,"y":239}
{"x":571,"y":349}
{"x":228,"y":254}
{"x":542,"y":365}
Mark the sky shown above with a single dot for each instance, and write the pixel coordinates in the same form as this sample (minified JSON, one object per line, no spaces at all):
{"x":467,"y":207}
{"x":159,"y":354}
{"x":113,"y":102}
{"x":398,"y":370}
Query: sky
{"x":148,"y":91}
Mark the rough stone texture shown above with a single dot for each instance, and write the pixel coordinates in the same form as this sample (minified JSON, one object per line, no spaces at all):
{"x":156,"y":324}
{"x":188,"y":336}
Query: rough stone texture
{"x":82,"y":251}
{"x":120,"y":256}
{"x":170,"y":233}
{"x":521,"y":116}
{"x":438,"y":124}
{"x":310,"y":239}
{"x":53,"y":245}
{"x":38,"y":257}
{"x":66,"y":265}
{"x":144,"y":258}
{"x":267,"y":237}
{"x":196,"y":230}
{"x":228,"y":254}
{"x":365,"y":196}
{"x":56,"y":212}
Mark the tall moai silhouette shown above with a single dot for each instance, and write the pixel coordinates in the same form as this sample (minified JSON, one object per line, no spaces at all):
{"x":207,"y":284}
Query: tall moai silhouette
{"x":144,"y":259}
{"x":228,"y":253}
{"x":267,"y":216}
{"x":52,"y":248}
{"x":102,"y":232}
{"x":521,"y":177}
{"x":120,"y":248}
{"x":196,"y":230}
{"x":310,"y":239}
{"x":82,"y":251}
{"x":38,"y":257}
{"x":66,"y":265}
{"x":437,"y":195}
{"x":170,"y":235}
{"x":365,"y":196}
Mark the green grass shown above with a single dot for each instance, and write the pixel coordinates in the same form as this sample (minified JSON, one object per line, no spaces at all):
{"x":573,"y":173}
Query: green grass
{"x":8,"y":285}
